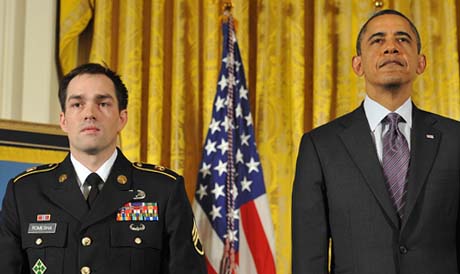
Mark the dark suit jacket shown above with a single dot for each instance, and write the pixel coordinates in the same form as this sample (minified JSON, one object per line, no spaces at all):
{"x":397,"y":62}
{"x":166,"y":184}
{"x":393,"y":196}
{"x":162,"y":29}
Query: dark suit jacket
{"x":93,"y":239}
{"x":340,"y":193}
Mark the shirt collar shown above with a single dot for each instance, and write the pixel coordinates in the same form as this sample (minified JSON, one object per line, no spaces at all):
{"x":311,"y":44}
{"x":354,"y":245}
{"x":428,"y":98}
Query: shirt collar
{"x":375,"y":112}
{"x":83,"y":172}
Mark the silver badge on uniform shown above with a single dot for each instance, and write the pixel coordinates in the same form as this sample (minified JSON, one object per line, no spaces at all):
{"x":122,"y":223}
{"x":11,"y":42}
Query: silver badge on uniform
{"x":140,"y":195}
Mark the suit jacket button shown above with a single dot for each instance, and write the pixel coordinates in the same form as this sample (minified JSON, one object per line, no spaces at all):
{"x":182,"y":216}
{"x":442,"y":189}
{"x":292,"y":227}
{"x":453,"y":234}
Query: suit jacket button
{"x":86,"y":241}
{"x":85,"y":270}
{"x":403,"y":249}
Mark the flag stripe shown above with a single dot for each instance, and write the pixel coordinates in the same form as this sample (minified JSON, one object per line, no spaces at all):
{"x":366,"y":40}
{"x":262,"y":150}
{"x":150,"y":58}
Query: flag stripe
{"x":210,"y":268}
{"x":257,"y":240}
{"x":263,"y":206}
{"x":247,"y":265}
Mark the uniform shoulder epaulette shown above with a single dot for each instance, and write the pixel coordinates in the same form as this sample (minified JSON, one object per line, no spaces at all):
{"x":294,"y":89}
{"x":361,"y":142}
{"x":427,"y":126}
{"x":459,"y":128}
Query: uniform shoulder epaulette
{"x":35,"y":170}
{"x":157,"y":169}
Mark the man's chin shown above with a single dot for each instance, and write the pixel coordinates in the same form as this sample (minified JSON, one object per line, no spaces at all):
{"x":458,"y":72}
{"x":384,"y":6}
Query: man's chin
{"x":92,"y":150}
{"x":392,"y":86}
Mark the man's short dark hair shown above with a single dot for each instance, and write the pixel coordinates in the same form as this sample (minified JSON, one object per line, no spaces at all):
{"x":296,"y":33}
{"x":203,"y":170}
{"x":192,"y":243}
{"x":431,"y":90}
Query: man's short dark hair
{"x":383,"y":12}
{"x":93,"y":68}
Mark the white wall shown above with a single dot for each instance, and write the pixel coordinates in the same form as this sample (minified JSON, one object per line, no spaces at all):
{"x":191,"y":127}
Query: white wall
{"x":28,"y":75}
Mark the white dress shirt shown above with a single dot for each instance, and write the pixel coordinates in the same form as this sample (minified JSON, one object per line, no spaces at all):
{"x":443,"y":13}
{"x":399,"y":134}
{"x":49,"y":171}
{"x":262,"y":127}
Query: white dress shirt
{"x":83,"y":172}
{"x":375,"y":113}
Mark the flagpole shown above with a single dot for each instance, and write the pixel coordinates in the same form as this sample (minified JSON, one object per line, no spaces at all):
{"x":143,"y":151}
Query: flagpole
{"x":228,"y":264}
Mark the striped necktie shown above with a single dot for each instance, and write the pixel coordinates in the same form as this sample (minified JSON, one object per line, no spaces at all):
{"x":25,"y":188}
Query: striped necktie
{"x":395,"y":158}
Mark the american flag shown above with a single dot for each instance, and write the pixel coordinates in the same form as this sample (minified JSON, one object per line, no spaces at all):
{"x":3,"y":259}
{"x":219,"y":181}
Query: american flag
{"x":231,"y":205}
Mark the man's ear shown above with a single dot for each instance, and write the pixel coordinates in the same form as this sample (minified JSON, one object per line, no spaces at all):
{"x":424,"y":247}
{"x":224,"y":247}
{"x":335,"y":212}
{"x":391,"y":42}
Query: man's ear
{"x":123,"y":119}
{"x":63,"y":122}
{"x":357,"y":65}
{"x":421,"y":65}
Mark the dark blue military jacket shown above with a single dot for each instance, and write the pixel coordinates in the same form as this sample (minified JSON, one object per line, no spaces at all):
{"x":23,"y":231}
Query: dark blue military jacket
{"x":141,"y":223}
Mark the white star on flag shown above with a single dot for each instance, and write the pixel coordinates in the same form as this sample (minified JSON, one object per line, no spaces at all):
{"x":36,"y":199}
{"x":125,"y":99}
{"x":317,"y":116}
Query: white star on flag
{"x":210,"y":147}
{"x":238,"y":111}
{"x":202,"y":191}
{"x":239,"y":157}
{"x":249,"y":119}
{"x":223,"y":146}
{"x":246,"y":184}
{"x":253,"y":165}
{"x":214,"y":126}
{"x":245,"y":139}
{"x":232,"y":236}
{"x":221,"y":167}
{"x":218,"y":191}
{"x":223,"y":83}
{"x":220,"y":102}
{"x":243,"y":93}
{"x":205,"y":169}
{"x":215,"y":212}
{"x":227,"y":124}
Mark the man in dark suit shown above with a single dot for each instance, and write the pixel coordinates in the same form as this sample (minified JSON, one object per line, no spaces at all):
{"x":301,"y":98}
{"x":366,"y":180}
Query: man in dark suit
{"x":96,"y":212}
{"x":380,"y":185}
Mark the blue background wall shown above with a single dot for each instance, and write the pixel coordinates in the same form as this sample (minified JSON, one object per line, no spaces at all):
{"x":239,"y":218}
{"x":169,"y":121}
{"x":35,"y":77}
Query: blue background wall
{"x":9,"y":170}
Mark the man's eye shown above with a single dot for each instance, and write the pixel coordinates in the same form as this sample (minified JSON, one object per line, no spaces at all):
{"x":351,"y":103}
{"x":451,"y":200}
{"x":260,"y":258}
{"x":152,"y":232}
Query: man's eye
{"x":377,"y":41}
{"x":75,"y":105}
{"x":403,"y":39}
{"x":104,"y":104}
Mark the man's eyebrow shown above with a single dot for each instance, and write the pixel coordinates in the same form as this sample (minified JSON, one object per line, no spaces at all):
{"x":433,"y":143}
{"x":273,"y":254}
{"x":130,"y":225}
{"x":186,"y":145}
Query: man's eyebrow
{"x":377,"y":34}
{"x":74,"y":97}
{"x":104,"y":96}
{"x":403,"y":33}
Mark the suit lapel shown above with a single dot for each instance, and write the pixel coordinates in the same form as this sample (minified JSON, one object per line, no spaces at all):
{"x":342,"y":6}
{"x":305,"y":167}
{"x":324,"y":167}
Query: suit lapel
{"x":63,"y":190}
{"x":115,"y":193}
{"x":424,"y":146}
{"x":358,"y":141}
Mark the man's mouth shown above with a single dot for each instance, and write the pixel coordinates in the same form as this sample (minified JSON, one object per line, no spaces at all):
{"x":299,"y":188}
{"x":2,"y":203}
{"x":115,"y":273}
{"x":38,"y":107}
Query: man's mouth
{"x":391,"y":62}
{"x":90,"y":129}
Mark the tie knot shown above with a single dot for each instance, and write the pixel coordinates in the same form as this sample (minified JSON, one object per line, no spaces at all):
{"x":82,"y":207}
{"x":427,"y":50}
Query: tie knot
{"x":93,"y":179}
{"x":393,"y":119}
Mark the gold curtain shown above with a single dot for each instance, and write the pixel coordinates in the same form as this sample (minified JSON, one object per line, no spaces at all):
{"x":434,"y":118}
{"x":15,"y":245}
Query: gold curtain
{"x":297,"y":57}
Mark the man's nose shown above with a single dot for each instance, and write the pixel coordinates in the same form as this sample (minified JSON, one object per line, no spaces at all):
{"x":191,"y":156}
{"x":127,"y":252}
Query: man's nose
{"x":89,"y":111}
{"x":390,"y":48}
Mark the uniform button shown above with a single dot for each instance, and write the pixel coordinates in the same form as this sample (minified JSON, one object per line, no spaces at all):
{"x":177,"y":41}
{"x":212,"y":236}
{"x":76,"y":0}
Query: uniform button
{"x":85,"y":270}
{"x":403,"y":249}
{"x":138,"y":240}
{"x":86,"y":241}
{"x":38,"y":241}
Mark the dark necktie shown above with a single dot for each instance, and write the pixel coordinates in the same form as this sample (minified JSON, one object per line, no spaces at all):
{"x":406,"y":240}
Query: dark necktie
{"x":395,"y":161}
{"x":93,"y":180}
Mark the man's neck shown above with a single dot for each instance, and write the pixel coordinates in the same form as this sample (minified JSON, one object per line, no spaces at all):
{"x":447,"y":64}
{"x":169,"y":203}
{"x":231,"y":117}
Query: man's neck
{"x":92,"y":161}
{"x":391,"y":99}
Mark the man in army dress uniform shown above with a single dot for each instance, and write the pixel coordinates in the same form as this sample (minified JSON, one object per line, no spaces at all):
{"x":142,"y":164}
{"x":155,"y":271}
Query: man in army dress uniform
{"x":96,"y":212}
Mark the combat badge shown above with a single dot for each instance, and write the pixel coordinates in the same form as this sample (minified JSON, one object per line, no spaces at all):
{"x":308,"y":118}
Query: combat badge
{"x":39,"y":267}
{"x":137,"y":227}
{"x":140,"y":195}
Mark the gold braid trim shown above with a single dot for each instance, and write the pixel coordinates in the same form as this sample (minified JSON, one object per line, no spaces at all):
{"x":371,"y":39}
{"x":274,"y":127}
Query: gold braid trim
{"x":34,"y":170}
